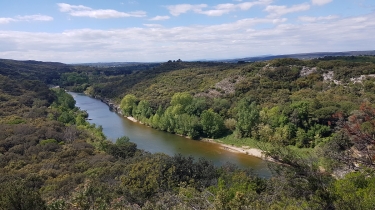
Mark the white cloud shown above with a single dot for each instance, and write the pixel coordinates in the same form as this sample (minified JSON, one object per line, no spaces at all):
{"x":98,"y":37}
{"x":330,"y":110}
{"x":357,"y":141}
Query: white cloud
{"x":179,"y":9}
{"x":244,"y":24}
{"x":6,"y":20}
{"x":320,"y":2}
{"x":277,"y":11}
{"x":315,"y":19}
{"x":83,"y":11}
{"x":278,"y":21}
{"x":103,"y":14}
{"x":27,"y":18}
{"x":34,"y":18}
{"x":153,"y":42}
{"x":214,"y":12}
{"x":217,"y":10}
{"x":69,"y":8}
{"x":248,"y":5}
{"x":153,"y":25}
{"x":156,"y":18}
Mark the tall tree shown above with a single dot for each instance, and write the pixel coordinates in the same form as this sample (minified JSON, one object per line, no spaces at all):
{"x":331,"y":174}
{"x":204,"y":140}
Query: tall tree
{"x":128,"y":103}
{"x":184,"y":99}
{"x":143,"y":110}
{"x":212,"y":123}
{"x":247,"y":118}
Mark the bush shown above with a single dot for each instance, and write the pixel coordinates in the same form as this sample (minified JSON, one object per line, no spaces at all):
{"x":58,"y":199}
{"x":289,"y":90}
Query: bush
{"x":48,"y":141}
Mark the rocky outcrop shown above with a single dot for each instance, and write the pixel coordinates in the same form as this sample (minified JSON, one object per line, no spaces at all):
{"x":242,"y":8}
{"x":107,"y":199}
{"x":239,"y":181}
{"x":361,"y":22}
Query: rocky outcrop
{"x":361,"y":78}
{"x":328,"y":77}
{"x":307,"y":71}
{"x":113,"y":106}
{"x":224,"y":87}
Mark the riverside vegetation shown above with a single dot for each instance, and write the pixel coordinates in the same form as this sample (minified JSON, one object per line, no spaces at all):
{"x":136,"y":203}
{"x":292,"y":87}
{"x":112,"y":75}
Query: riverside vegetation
{"x":315,"y":116}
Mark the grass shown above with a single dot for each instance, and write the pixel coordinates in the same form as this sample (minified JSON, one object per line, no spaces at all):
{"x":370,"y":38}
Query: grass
{"x":304,"y":153}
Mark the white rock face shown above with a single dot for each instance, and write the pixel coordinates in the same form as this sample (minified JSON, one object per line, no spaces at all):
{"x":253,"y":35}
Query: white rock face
{"x":361,"y":78}
{"x":328,"y":77}
{"x":307,"y":71}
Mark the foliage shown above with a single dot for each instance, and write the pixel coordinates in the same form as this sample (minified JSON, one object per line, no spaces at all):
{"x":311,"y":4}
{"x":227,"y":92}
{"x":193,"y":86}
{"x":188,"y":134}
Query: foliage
{"x":18,"y":195}
{"x":123,"y":148}
{"x":355,"y":191}
{"x":247,"y":118}
{"x":50,"y":157}
{"x":212,"y":123}
{"x":128,"y":103}
{"x":360,"y":128}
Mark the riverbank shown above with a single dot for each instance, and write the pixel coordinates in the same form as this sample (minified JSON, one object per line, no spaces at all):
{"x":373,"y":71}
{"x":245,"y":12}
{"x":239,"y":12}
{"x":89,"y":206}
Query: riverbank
{"x":255,"y":152}
{"x":132,"y":119}
{"x":153,"y":141}
{"x":244,"y":150}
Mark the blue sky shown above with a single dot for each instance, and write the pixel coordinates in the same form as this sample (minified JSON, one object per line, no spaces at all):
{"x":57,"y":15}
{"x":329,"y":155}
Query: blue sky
{"x":145,"y":30}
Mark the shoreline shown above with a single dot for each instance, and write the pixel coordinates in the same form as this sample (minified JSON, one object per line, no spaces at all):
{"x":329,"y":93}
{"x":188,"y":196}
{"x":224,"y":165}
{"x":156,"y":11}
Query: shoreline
{"x":132,"y":119}
{"x":255,"y":152}
{"x":258,"y":153}
{"x":244,"y":150}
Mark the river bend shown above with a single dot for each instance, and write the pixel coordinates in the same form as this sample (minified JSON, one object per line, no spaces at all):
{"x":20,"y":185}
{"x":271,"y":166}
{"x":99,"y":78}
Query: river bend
{"x":154,"y":141}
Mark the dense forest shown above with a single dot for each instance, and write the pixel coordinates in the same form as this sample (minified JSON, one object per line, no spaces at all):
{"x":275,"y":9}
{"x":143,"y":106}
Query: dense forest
{"x":316,"y":117}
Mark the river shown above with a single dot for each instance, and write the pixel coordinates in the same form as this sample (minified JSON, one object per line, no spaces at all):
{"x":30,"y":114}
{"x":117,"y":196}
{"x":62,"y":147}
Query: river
{"x":154,"y":141}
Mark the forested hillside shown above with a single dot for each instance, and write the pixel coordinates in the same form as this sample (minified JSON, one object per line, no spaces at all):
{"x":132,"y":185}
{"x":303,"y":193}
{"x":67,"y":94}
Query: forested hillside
{"x":286,"y":102}
{"x":51,"y":158}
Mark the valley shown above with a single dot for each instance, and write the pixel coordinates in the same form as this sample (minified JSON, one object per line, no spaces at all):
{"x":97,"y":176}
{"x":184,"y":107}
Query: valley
{"x":315,"y":117}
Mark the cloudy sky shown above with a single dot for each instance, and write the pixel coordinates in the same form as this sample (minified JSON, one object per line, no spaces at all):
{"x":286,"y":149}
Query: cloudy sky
{"x":148,"y":30}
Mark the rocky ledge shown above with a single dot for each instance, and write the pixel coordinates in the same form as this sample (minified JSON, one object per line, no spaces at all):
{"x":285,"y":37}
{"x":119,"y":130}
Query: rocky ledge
{"x":113,"y":106}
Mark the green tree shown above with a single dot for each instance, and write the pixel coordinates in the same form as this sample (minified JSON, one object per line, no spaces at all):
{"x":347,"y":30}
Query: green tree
{"x":143,"y":177}
{"x":143,"y":110}
{"x":128,"y":103}
{"x":220,"y":105}
{"x":300,"y":114}
{"x":302,"y":139}
{"x":67,"y":117}
{"x":64,"y":100}
{"x":123,"y":148}
{"x":18,"y":195}
{"x":197,"y":106}
{"x":184,"y":99}
{"x":212,"y":124}
{"x":355,"y":191}
{"x":248,"y":118}
{"x":80,"y":120}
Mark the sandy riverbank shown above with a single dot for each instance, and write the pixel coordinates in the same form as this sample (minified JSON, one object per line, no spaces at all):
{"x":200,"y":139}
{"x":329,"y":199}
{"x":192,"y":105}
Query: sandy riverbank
{"x":132,"y":119}
{"x":244,"y":150}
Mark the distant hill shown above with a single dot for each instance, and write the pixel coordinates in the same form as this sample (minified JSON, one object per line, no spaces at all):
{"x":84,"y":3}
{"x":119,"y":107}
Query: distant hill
{"x":114,"y":64}
{"x":302,"y":56}
{"x":29,"y":63}
{"x":48,"y":72}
